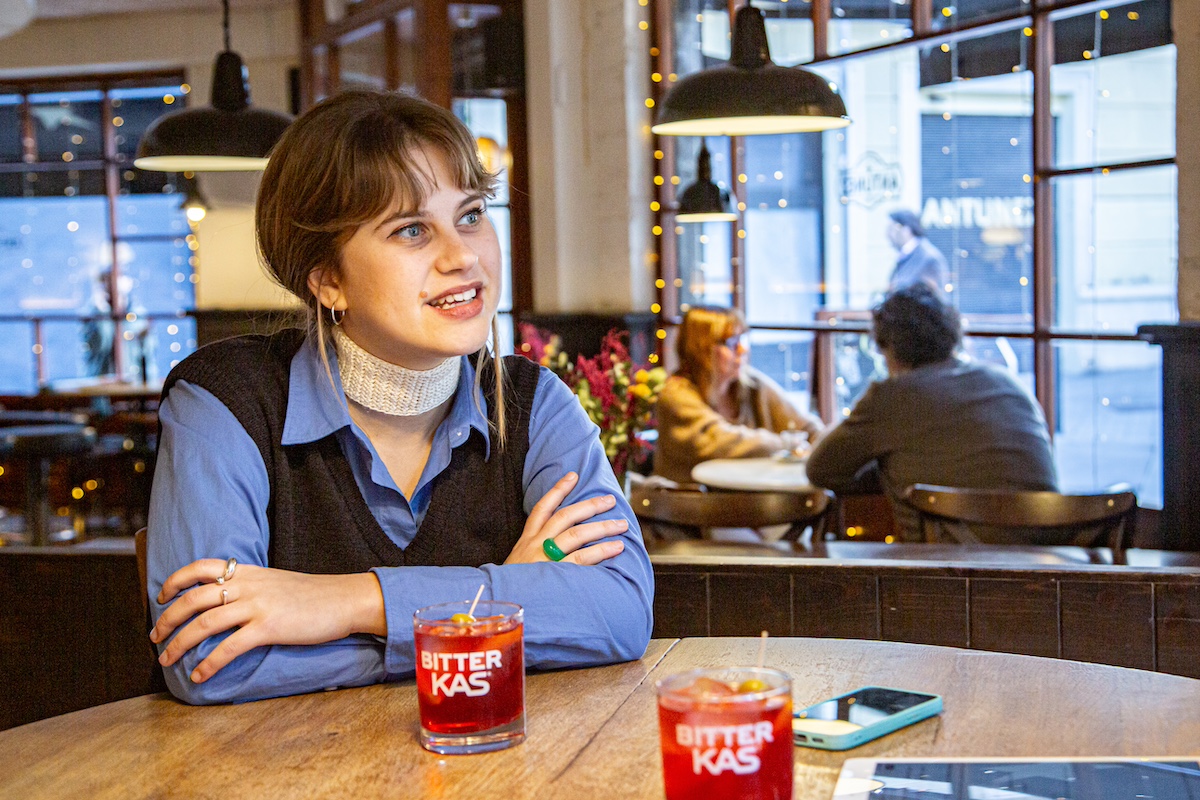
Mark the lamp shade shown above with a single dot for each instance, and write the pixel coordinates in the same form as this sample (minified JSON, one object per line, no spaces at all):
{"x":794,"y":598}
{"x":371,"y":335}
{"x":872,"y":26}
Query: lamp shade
{"x":228,"y":136}
{"x":704,"y":201}
{"x":750,"y":95}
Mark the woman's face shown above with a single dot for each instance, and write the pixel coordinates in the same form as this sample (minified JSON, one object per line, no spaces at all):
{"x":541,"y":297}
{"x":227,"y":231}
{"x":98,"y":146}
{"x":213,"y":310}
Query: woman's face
{"x":419,"y":285}
{"x":728,"y":356}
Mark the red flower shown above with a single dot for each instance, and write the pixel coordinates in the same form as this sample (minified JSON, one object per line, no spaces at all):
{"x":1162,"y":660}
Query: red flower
{"x":617,"y":394}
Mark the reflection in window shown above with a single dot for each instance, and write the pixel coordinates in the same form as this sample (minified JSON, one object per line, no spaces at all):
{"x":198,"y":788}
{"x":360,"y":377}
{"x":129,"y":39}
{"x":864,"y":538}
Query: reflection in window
{"x":786,"y":358}
{"x":955,"y":13}
{"x":783,"y":192}
{"x":701,"y":35}
{"x":11,"y":151}
{"x":705,"y":269}
{"x":859,"y":24}
{"x":704,"y":248}
{"x":1116,"y":253}
{"x":361,"y":59}
{"x":1113,"y":86}
{"x":957,"y":153}
{"x":57,"y":246}
{"x":1109,"y":413}
{"x":945,"y":129}
{"x":67,"y":125}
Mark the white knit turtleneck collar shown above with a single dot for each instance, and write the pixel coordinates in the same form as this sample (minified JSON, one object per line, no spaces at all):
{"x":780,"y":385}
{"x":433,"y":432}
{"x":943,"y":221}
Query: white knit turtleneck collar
{"x":389,"y":389}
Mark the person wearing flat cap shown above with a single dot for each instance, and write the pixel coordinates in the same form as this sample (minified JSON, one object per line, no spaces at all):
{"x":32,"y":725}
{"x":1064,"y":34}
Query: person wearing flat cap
{"x":918,"y":260}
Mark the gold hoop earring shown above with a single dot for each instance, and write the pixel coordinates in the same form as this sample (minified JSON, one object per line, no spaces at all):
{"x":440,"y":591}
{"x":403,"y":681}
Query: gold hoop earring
{"x":336,"y":316}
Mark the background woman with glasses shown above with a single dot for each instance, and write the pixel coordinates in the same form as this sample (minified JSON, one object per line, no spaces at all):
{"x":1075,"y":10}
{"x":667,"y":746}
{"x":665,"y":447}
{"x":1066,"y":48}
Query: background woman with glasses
{"x":716,"y":405}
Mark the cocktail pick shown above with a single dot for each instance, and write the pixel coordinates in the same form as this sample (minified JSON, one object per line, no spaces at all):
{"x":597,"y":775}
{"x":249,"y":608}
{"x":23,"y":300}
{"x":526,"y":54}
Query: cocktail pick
{"x":469,"y":617}
{"x":479,"y":594}
{"x":756,"y":684}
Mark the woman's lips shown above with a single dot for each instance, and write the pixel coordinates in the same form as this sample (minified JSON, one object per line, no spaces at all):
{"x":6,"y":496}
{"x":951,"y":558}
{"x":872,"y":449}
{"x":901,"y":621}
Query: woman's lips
{"x":459,"y":305}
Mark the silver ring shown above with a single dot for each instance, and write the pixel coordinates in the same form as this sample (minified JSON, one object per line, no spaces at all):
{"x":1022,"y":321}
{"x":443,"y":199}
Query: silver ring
{"x":230,"y":566}
{"x":224,"y":596}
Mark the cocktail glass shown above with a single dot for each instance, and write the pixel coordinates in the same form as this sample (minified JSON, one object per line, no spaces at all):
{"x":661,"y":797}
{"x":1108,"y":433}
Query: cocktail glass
{"x":726,"y":733}
{"x":470,"y":676}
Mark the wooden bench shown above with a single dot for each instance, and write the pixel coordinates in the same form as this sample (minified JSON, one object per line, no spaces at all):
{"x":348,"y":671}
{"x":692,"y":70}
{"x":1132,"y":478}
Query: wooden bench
{"x":72,"y":629}
{"x":1062,"y":602}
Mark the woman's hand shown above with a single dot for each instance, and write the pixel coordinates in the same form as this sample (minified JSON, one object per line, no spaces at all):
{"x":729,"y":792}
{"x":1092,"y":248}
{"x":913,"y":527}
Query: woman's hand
{"x":262,"y":606}
{"x":548,"y":520}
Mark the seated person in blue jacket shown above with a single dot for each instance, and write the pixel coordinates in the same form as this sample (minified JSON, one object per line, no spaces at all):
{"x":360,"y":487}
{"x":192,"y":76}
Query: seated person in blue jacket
{"x":939,"y":417}
{"x":314,"y":488}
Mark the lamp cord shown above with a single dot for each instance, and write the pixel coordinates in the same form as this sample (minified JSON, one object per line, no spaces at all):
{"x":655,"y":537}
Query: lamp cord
{"x":225,"y":23}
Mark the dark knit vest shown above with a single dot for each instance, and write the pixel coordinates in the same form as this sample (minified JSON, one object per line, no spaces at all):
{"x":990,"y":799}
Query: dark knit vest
{"x":318,"y":519}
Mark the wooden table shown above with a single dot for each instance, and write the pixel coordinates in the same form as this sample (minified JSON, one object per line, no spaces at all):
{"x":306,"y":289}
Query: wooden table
{"x":107,"y":387}
{"x":753,"y":474}
{"x":591,"y":733}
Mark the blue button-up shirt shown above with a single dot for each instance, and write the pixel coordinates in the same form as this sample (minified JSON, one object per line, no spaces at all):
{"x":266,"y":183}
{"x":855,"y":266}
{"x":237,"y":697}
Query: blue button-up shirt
{"x":210,"y":501}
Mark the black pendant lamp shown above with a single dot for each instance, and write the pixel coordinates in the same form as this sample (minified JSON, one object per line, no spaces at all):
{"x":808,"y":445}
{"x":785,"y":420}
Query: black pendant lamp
{"x":704,"y":201}
{"x":228,"y":136}
{"x":750,"y":94}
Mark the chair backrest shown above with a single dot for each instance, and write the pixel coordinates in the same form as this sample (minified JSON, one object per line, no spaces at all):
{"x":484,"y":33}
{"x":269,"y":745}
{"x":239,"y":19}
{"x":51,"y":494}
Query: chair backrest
{"x":139,"y":547}
{"x":157,"y":681}
{"x":699,"y":509}
{"x":1016,"y":517}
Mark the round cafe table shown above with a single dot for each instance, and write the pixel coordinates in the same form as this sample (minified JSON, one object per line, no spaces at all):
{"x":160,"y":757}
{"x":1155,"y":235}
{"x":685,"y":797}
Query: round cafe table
{"x":591,"y":732}
{"x":753,"y":474}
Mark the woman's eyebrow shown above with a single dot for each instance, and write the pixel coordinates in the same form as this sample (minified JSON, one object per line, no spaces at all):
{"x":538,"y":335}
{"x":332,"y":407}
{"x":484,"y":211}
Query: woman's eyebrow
{"x":470,"y":199}
{"x":416,"y":213}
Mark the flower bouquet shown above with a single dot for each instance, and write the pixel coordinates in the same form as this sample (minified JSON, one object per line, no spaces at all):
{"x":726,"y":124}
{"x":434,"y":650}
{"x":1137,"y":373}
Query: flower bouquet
{"x":617,"y":394}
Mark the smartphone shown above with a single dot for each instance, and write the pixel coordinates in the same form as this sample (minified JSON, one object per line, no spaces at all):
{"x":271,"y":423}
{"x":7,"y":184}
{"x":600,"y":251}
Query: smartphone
{"x":851,"y":719}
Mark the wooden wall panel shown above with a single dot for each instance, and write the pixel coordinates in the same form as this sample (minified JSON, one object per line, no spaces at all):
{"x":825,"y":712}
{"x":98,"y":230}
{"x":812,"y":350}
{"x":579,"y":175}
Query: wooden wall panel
{"x":1015,"y":616}
{"x":840,"y":605}
{"x":680,"y":604}
{"x":924,"y":610}
{"x":1177,"y":607}
{"x":1121,"y":612}
{"x":741,"y":602}
{"x":72,"y":632}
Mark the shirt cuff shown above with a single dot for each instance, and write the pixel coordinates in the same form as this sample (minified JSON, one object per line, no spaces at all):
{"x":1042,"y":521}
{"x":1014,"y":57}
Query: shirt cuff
{"x":407,"y":589}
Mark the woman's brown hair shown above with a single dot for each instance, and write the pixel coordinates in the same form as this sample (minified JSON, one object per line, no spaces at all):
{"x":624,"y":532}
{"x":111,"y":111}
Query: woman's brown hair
{"x":703,"y":328}
{"x":342,"y":164}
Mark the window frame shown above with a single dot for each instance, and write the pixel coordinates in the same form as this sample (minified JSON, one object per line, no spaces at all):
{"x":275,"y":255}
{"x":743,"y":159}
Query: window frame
{"x":112,"y":162}
{"x":1040,"y":16}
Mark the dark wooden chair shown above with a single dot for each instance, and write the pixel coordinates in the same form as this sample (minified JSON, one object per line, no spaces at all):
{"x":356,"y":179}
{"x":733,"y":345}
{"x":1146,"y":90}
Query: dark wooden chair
{"x":139,"y":549}
{"x":692,"y":509}
{"x":157,"y":681}
{"x":1029,"y":518}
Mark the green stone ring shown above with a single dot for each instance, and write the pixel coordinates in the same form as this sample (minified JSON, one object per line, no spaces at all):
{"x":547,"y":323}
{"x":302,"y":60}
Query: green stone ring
{"x":552,"y":550}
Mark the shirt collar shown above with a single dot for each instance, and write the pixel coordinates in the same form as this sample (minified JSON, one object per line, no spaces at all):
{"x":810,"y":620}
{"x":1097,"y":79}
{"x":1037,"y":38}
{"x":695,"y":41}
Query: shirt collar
{"x":909,"y":246}
{"x":316,"y":408}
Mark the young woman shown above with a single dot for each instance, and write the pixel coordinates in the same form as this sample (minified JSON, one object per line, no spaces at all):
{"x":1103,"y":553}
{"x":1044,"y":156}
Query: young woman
{"x":716,"y":405}
{"x":315,"y":488}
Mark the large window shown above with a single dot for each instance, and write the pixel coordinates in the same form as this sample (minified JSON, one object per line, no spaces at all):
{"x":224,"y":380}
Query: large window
{"x":96,"y":257}
{"x":1035,"y":145}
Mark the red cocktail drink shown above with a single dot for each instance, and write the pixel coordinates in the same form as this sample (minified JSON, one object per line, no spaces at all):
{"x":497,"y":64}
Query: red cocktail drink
{"x":726,"y":733}
{"x":470,"y":676}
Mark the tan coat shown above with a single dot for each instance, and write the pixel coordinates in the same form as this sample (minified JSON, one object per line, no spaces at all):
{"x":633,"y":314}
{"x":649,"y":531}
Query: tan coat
{"x":691,"y":431}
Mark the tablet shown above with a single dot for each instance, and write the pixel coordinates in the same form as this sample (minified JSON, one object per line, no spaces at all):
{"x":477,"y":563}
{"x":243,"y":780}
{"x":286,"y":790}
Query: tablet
{"x":1019,"y":779}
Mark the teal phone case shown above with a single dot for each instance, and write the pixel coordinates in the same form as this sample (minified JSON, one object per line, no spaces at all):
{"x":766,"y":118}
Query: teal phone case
{"x":892,"y":722}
